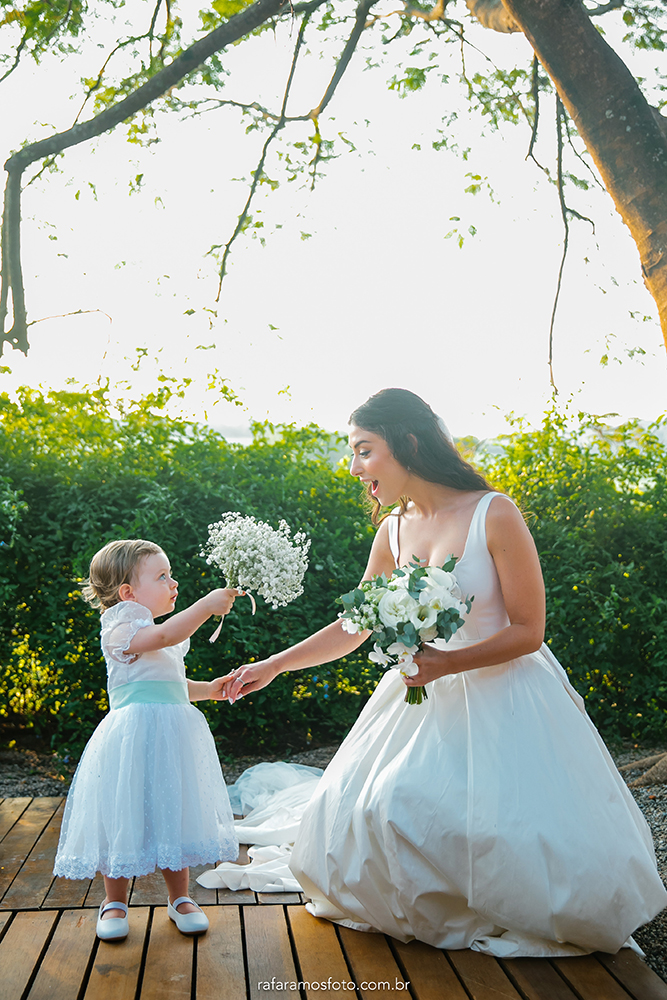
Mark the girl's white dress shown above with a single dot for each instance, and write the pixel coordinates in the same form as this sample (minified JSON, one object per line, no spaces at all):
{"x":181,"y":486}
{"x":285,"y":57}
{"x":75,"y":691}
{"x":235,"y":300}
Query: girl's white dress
{"x":148,"y":791}
{"x":490,"y":817}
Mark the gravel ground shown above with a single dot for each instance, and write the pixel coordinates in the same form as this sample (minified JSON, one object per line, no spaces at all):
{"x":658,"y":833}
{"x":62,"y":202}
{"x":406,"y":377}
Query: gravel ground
{"x":26,"y":772}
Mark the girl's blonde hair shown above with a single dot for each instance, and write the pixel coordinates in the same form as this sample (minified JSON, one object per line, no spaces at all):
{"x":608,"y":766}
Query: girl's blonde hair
{"x":113,"y":566}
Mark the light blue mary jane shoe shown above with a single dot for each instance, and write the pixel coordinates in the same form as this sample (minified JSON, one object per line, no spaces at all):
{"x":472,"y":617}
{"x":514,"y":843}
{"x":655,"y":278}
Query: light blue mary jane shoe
{"x":187,"y":923}
{"x":113,"y":928}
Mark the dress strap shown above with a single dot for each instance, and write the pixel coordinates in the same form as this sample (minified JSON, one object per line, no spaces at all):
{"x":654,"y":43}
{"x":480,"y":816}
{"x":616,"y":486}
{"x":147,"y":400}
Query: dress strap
{"x":393,"y":522}
{"x":477,"y":529}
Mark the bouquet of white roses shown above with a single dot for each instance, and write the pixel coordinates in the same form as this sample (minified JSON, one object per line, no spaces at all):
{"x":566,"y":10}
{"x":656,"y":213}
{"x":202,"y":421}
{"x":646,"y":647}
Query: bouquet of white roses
{"x":415,"y":605}
{"x":254,"y":556}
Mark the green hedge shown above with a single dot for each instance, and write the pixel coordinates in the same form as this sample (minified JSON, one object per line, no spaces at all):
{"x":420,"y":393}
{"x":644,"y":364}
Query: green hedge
{"x":595,"y":499}
{"x":78,"y":469}
{"x":88,"y":473}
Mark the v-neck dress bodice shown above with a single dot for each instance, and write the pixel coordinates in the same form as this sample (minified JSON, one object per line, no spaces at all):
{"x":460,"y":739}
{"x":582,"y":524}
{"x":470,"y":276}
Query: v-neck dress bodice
{"x":475,"y":572}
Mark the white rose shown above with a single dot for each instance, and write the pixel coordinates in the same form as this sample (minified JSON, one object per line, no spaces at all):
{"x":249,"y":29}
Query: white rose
{"x":396,"y":606}
{"x":428,"y":634}
{"x":439,"y":578}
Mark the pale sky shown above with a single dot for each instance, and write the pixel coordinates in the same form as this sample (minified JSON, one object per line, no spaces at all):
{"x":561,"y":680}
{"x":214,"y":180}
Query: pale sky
{"x":309,"y":326}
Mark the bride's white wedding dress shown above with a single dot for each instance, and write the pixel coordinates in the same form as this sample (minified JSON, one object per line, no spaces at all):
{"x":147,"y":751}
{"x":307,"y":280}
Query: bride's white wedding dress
{"x":491,"y":816}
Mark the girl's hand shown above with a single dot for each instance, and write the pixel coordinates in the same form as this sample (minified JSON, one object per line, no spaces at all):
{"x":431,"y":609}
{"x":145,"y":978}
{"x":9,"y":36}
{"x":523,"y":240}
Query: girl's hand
{"x":249,"y":678}
{"x":432,"y":664}
{"x":221,"y":601}
{"x":217,"y":689}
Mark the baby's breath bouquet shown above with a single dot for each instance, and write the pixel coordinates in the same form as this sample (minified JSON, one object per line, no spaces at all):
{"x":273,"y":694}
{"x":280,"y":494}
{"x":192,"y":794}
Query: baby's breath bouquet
{"x":414,"y":605}
{"x":253,"y":556}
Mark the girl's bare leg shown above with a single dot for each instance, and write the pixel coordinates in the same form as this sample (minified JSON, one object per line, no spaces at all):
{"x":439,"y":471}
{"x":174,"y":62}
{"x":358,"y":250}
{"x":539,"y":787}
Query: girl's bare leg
{"x":116,"y":892}
{"x":177,"y":885}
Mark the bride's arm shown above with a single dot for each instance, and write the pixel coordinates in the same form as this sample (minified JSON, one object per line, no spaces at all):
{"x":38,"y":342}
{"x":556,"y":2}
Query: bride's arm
{"x":518,"y":566}
{"x":330,"y":643}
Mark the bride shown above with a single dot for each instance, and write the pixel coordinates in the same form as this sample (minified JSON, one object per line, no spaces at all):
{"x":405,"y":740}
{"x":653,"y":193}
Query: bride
{"x":491,"y":816}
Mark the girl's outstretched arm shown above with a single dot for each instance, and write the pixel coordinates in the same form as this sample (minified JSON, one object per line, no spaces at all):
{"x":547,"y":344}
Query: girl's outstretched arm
{"x":182,"y":625}
{"x":330,"y":643}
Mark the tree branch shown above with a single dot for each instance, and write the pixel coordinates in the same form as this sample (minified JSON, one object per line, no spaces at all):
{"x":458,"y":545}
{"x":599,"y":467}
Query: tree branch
{"x":561,"y":121}
{"x":17,"y":58}
{"x":257,"y":175}
{"x":44,"y":44}
{"x":12,"y":276}
{"x":283,"y":119}
{"x":492,"y":14}
{"x":535,"y":90}
{"x":121,"y":45}
{"x":346,"y":55}
{"x":239,"y":25}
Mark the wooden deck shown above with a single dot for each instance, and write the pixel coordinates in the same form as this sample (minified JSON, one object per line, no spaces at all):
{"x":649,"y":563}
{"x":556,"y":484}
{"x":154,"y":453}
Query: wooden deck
{"x":259,"y":945}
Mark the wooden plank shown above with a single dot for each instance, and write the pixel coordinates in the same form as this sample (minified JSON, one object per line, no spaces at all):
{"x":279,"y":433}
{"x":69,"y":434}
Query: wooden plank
{"x":4,"y":920}
{"x":638,"y":979}
{"x":319,"y":954}
{"x":239,"y":897}
{"x":220,"y":968}
{"x":169,"y":961}
{"x":64,"y":965}
{"x":20,"y":840}
{"x":66,"y":893}
{"x":96,"y":892}
{"x":537,"y":979}
{"x":21,"y":948}
{"x":590,"y":979}
{"x":32,"y":884}
{"x":10,"y":811}
{"x":428,"y":972}
{"x":198,"y":892}
{"x":282,"y":898}
{"x":148,"y":890}
{"x":482,"y":976}
{"x":373,"y":966}
{"x":117,"y":965}
{"x":268,"y":949}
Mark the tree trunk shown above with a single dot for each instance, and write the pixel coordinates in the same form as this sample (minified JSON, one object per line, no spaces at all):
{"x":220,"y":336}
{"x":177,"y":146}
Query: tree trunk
{"x":613,"y":119}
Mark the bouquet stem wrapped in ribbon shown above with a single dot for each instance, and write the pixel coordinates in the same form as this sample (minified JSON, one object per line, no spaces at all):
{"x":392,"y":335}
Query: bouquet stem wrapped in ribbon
{"x":414,"y":605}
{"x":254,"y":556}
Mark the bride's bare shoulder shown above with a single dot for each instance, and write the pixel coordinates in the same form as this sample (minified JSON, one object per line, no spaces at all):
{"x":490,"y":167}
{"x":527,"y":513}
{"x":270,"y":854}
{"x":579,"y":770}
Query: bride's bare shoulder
{"x":504,"y":521}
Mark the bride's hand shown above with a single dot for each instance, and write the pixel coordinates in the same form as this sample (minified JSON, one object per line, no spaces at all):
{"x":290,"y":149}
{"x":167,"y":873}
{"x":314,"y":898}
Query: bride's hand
{"x":248,"y":678}
{"x":432,"y":664}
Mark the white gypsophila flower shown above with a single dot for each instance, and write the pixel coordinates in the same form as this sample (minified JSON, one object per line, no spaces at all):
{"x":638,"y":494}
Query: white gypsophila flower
{"x":350,"y":626}
{"x":253,"y":556}
{"x":395,"y":607}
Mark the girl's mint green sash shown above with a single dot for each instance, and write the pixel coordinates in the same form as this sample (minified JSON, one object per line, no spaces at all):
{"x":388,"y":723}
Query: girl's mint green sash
{"x":147,"y":692}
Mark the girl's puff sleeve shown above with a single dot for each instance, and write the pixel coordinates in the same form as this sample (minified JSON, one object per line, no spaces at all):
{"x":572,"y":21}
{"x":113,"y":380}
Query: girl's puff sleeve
{"x":120,"y":624}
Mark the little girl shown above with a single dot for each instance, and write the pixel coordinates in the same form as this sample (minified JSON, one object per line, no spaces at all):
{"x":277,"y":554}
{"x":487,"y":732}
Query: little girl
{"x":148,"y":791}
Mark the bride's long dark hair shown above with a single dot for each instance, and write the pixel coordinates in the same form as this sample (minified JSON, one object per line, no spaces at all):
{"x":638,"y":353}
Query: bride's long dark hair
{"x":402,"y":418}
